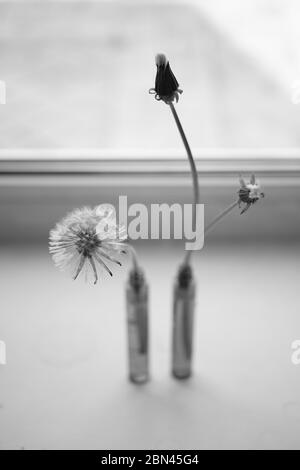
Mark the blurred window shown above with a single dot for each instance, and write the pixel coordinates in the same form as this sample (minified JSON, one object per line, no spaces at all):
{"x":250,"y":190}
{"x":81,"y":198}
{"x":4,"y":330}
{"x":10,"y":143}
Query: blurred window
{"x":77,"y":73}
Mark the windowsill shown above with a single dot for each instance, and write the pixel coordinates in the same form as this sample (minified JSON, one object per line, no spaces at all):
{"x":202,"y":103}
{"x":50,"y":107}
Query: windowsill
{"x":139,"y":167}
{"x":38,"y":187}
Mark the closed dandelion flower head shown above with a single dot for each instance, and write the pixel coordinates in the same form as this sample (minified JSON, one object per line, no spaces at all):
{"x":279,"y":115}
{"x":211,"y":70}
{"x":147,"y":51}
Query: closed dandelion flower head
{"x":249,"y":193}
{"x":166,"y":86}
{"x":86,"y":240}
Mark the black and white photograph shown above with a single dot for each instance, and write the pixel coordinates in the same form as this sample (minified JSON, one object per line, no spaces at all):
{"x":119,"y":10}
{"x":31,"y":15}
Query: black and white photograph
{"x":149,"y":228}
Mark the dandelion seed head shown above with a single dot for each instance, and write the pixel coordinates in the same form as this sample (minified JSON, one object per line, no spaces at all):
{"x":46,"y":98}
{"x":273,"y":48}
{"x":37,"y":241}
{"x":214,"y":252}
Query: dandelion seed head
{"x":86,"y":240}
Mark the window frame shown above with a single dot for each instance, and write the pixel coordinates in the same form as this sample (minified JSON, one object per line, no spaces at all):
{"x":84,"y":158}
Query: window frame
{"x":215,"y":166}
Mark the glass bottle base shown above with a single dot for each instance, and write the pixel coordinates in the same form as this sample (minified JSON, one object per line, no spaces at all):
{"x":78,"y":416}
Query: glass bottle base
{"x":181,"y":375}
{"x":139,"y":379}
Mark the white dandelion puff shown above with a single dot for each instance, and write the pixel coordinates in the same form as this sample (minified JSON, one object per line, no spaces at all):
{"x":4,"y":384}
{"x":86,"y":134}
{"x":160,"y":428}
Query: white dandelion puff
{"x":88,"y":239}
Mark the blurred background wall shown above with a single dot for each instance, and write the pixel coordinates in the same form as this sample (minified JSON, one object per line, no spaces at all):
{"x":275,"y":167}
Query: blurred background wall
{"x":78,"y":72}
{"x":77,"y":75}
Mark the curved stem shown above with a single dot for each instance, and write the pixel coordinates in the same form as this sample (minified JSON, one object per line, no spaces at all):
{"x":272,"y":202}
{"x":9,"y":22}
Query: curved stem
{"x":193,"y":170}
{"x":130,"y":248}
{"x":134,"y":257}
{"x":219,"y":217}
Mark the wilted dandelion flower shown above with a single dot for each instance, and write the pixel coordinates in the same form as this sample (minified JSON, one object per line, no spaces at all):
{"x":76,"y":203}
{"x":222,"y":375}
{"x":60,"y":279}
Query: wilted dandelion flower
{"x":249,"y":193}
{"x":86,"y":239}
{"x":166,"y":85}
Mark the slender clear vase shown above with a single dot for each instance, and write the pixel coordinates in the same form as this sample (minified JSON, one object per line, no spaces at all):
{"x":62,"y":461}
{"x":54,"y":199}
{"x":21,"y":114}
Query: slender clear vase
{"x":137,"y":326}
{"x":183,"y":321}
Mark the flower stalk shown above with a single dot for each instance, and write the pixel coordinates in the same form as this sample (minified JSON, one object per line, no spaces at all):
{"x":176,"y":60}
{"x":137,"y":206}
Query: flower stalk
{"x":167,"y":89}
{"x":220,"y":216}
{"x":196,"y":190}
{"x":128,"y":248}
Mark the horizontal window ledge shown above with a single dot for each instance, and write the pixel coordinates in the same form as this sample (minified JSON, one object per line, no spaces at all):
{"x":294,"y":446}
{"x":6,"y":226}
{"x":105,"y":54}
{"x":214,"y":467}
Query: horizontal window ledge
{"x":140,"y":167}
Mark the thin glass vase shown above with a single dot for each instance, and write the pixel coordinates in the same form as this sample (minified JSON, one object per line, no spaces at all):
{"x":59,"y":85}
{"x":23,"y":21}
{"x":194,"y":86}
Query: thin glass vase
{"x":183,"y":322}
{"x":137,"y":327}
